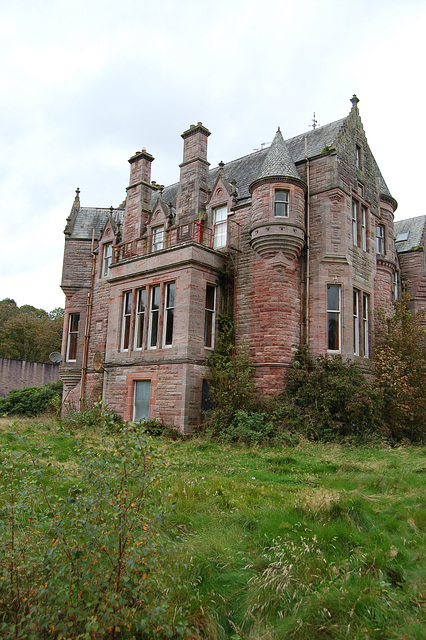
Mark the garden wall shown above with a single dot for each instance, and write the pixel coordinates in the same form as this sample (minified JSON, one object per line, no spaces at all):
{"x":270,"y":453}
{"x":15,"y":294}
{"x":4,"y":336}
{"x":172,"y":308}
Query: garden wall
{"x":16,"y":374}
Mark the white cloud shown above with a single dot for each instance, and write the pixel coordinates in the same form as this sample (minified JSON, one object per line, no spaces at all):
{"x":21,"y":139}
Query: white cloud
{"x":87,"y":83}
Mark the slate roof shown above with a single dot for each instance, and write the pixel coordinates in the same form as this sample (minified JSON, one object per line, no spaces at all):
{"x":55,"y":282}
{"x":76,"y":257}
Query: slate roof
{"x":280,"y":156}
{"x":89,"y":218}
{"x":416,"y":229}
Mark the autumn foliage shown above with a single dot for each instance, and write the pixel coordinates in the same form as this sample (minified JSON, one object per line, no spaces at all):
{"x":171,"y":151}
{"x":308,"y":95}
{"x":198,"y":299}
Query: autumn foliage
{"x":400,"y":371}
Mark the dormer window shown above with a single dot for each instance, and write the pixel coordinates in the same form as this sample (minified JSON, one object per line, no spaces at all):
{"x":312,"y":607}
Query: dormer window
{"x":157,"y":238}
{"x":281,"y":203}
{"x":220,"y":222}
{"x":107,"y":259}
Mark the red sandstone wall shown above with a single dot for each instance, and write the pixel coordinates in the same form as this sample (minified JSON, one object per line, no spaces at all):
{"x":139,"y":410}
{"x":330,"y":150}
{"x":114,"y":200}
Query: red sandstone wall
{"x":16,"y":374}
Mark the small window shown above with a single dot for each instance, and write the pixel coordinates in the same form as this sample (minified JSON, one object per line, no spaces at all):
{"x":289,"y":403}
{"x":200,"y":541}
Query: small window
{"x":358,"y":157}
{"x":140,"y":318}
{"x":220,"y":223}
{"x":333,"y":317}
{"x":126,"y":320}
{"x":380,"y":239}
{"x":209,"y":318}
{"x":169,"y":310}
{"x":107,"y":259}
{"x":395,"y":285}
{"x":281,"y":203}
{"x":158,"y":238}
{"x":206,"y":398}
{"x":401,"y":237}
{"x":153,"y":316}
{"x":73,"y":322}
{"x":141,"y":400}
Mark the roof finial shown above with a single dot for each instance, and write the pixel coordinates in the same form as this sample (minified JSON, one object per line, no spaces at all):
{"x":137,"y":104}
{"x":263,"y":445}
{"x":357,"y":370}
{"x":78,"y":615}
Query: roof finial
{"x":354,"y":101}
{"x":314,"y":122}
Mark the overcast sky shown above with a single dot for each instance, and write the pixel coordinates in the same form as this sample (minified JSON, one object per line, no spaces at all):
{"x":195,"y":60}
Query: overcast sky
{"x":86,"y":83}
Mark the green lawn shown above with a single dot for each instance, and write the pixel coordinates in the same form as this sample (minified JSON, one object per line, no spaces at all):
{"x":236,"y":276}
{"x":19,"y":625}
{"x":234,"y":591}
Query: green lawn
{"x":313,"y":541}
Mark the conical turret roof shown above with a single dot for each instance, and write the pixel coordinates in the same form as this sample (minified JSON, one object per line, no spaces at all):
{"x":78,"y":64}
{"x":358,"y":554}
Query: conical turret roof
{"x":278,"y":161}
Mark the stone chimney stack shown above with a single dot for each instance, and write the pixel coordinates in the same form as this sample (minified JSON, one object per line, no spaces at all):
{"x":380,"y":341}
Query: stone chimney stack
{"x":194,"y":174}
{"x":138,"y":203}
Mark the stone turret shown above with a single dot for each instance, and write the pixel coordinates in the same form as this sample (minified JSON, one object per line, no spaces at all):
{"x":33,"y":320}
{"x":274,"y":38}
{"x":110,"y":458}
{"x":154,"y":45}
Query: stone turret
{"x":278,"y":205}
{"x":277,"y":235}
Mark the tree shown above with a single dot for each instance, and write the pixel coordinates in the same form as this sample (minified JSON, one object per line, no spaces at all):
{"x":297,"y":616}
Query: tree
{"x":29,"y":333}
{"x":400,"y":371}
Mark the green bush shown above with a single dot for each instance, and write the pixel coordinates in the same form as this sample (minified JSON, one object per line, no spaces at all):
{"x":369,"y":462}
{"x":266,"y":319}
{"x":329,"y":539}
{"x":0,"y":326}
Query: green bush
{"x":156,"y":428}
{"x":400,"y":371}
{"x":333,"y":397}
{"x":231,"y":385}
{"x":32,"y":401}
{"x":93,"y":562}
{"x":97,"y":416}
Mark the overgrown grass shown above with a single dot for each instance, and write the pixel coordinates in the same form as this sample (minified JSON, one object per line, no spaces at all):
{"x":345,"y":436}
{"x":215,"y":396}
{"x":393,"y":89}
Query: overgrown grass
{"x":313,"y":541}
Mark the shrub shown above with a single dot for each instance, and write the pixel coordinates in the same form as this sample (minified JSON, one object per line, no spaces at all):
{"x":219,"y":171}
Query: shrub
{"x":230,"y":379}
{"x":90,"y":563}
{"x":334,"y":398}
{"x":98,"y":416}
{"x":157,"y":428}
{"x":400,"y":365}
{"x":32,"y":401}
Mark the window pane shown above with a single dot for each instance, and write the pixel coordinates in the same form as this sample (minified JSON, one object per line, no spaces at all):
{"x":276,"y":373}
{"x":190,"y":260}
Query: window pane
{"x":169,"y":313}
{"x":220,"y":214}
{"x":356,"y":322}
{"x":210,"y":296}
{"x":140,"y":319}
{"x":107,"y":258}
{"x":125,"y":329}
{"x":380,"y":239}
{"x":157,"y":238}
{"x":209,"y":318}
{"x":333,"y":303}
{"x":220,"y":217}
{"x":333,"y":331}
{"x":74,"y":319}
{"x":281,"y":203}
{"x":365,"y":306}
{"x":155,"y":305}
{"x":333,"y":317}
{"x":141,"y":400}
